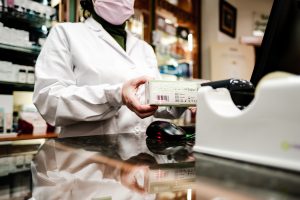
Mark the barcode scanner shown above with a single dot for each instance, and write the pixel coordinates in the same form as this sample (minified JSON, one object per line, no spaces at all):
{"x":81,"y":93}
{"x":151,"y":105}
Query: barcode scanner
{"x":166,"y":130}
{"x":241,"y":91}
{"x":231,"y":84}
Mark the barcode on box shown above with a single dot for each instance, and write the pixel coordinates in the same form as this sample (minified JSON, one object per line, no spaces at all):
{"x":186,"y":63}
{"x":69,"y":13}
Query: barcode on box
{"x":172,"y":93}
{"x":162,"y":98}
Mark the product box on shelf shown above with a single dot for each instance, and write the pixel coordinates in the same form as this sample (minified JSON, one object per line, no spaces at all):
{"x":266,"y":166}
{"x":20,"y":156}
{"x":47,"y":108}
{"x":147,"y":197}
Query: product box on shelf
{"x":31,"y":122}
{"x":6,"y":112}
{"x":2,"y":115}
{"x":14,"y":37}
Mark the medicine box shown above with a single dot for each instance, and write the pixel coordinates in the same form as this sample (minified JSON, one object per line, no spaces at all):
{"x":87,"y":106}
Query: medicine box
{"x":172,"y":93}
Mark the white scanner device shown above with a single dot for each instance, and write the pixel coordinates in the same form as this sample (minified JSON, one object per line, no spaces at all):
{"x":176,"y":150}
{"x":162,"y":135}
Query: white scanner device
{"x":266,"y":132}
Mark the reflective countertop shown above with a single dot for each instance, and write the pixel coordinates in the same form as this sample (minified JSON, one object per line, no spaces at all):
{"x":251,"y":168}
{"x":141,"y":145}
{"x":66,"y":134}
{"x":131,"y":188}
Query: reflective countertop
{"x":131,"y":166}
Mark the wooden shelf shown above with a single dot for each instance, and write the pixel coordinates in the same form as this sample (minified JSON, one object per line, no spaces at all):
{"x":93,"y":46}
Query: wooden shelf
{"x":27,"y":137}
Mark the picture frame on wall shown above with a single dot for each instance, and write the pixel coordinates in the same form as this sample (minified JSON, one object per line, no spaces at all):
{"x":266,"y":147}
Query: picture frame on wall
{"x":227,"y":18}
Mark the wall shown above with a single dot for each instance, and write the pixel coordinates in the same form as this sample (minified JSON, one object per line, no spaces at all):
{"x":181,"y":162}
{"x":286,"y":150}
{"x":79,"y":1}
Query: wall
{"x":210,"y":25}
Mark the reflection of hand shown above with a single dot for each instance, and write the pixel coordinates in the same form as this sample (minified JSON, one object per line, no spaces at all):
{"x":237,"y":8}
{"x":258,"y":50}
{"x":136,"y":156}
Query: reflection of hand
{"x":193,"y":110}
{"x":135,"y":178}
{"x":131,"y":101}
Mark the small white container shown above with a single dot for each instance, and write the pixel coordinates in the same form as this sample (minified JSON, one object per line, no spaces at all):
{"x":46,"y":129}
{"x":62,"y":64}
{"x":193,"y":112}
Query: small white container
{"x":30,"y":75}
{"x":22,"y":74}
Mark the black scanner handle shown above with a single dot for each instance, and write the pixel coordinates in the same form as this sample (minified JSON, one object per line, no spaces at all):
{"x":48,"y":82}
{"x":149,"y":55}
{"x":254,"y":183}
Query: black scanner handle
{"x":231,"y":84}
{"x":241,"y":91}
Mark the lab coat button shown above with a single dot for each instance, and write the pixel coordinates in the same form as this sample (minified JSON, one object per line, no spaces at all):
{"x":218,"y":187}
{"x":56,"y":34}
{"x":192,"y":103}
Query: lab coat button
{"x":137,"y":130}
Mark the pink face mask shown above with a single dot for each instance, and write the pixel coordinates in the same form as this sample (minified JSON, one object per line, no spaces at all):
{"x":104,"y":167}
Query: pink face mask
{"x":114,"y":11}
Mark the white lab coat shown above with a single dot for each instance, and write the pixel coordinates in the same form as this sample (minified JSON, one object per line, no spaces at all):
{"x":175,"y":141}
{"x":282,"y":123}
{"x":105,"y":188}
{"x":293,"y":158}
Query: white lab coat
{"x":79,"y":76}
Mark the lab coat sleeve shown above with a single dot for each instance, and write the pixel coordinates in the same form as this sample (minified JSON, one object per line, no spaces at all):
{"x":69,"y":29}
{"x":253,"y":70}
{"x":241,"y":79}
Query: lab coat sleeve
{"x":57,"y":97}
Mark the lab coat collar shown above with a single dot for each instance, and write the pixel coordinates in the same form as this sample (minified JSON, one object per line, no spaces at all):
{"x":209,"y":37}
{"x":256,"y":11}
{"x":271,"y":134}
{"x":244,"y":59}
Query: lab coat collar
{"x":130,"y":41}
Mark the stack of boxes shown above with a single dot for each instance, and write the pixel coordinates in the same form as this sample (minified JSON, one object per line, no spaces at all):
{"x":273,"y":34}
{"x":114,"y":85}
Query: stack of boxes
{"x":14,"y":37}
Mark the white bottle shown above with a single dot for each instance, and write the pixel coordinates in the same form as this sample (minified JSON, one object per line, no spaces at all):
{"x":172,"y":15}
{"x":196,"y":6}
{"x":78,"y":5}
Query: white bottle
{"x":30,"y":75}
{"x":22,"y":74}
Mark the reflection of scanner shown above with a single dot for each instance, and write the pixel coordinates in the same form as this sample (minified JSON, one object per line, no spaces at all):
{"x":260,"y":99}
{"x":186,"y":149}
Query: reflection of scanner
{"x":177,"y":150}
{"x":164,"y":130}
{"x":169,"y":131}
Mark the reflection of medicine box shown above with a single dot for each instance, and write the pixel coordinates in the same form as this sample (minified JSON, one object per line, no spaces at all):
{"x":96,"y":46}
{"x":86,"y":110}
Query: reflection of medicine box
{"x":172,"y":93}
{"x":168,"y":179}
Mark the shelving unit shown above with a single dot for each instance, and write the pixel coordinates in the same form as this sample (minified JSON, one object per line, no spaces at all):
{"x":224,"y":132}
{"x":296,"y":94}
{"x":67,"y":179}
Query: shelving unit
{"x":17,"y":150}
{"x":22,"y":55}
{"x":16,"y":18}
{"x":16,"y":154}
{"x":187,"y":14}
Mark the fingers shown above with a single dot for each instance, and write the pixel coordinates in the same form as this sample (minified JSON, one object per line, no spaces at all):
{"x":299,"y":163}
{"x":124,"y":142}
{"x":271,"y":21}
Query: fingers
{"x":140,"y":80}
{"x":131,"y":101}
{"x":140,"y":107}
{"x":142,"y":111}
{"x":144,"y":115}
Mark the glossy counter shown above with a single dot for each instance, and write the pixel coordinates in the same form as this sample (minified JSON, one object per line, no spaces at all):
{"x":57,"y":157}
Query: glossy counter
{"x":129,"y":166}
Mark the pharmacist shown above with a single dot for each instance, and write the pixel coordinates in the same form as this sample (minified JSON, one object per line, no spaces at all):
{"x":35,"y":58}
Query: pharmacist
{"x":88,"y":75}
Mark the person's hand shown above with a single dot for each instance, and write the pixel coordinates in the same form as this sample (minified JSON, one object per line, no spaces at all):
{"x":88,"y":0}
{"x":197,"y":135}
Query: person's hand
{"x":131,"y":101}
{"x":135,"y":178}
